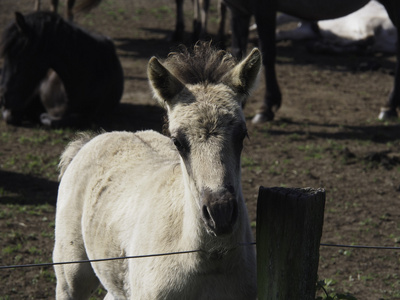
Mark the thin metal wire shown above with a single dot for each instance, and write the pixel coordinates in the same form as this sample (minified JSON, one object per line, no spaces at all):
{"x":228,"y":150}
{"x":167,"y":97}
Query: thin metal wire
{"x":175,"y":253}
{"x":96,"y":260}
{"x":361,"y":247}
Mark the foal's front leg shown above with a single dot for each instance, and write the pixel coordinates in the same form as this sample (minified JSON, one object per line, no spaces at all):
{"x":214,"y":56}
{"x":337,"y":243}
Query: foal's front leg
{"x":77,"y":280}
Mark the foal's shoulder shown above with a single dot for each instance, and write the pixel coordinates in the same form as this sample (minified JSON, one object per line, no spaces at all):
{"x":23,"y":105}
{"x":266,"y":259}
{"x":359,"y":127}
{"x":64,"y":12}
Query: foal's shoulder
{"x":155,"y":142}
{"x":122,"y":136}
{"x":146,"y":137}
{"x":149,"y":141}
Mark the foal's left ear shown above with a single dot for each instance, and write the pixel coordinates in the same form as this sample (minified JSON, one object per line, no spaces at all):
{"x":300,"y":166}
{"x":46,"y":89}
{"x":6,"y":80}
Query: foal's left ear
{"x":165,"y":85}
{"x":243,"y":76}
{"x":21,"y":23}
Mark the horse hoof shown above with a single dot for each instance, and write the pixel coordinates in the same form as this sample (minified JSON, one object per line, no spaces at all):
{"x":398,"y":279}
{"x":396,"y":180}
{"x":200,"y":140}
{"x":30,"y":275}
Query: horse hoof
{"x":7,"y":116}
{"x":10,"y":118}
{"x":45,"y":119}
{"x":387,"y":114}
{"x":262,"y":118}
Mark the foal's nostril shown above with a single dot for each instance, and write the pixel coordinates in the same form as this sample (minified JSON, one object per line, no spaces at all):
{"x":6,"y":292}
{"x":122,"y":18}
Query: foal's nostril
{"x":220,"y":212}
{"x":206,"y":214}
{"x":230,"y":189}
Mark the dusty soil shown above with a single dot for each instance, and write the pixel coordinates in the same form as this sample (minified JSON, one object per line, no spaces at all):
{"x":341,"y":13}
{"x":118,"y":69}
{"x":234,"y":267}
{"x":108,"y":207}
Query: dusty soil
{"x":325,"y":135}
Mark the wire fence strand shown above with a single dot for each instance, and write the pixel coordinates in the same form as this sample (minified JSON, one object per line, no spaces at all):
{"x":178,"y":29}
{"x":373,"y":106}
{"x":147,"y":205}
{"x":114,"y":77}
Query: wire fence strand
{"x":175,"y":253}
{"x":361,"y":247}
{"x":96,"y":260}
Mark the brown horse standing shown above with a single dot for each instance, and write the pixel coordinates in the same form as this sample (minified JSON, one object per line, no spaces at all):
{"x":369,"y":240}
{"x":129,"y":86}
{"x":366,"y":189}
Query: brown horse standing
{"x":265,"y":12}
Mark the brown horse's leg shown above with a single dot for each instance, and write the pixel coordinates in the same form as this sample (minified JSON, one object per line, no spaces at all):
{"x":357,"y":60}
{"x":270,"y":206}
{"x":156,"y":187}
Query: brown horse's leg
{"x":240,"y":32}
{"x":69,"y":10}
{"x":200,"y":19}
{"x":180,"y":23}
{"x":196,"y":22}
{"x":390,"y":109}
{"x":38,"y":5}
{"x":221,"y":22}
{"x":265,"y":15}
{"x":54,"y":5}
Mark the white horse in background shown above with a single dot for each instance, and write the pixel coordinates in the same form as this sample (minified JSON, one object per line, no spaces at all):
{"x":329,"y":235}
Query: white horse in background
{"x":127,"y":194}
{"x":370,"y":22}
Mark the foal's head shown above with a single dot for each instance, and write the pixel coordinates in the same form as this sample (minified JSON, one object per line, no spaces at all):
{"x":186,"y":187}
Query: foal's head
{"x":203,"y":92}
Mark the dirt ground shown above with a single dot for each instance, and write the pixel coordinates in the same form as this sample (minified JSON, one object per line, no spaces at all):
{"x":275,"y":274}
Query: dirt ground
{"x":326,"y":134}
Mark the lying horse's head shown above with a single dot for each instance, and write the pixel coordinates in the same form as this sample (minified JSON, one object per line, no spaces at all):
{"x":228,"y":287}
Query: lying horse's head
{"x":25,"y":64}
{"x":203,"y":93}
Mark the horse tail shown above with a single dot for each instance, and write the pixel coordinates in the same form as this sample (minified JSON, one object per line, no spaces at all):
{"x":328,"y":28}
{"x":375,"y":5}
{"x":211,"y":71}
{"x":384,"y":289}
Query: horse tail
{"x":72,"y":150}
{"x":86,"y":5}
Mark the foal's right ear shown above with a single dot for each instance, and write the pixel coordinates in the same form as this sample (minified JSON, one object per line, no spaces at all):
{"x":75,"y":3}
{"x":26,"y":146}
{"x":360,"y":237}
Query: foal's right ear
{"x":165,"y":85}
{"x":243,"y":76}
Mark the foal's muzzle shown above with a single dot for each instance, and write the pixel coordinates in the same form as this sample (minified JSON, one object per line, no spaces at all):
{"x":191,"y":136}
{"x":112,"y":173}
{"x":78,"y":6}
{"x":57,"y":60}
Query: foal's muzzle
{"x":220,"y":211}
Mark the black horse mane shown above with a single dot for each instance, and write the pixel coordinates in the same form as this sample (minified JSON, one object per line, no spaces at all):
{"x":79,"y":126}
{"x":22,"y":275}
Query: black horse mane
{"x":42,"y":25}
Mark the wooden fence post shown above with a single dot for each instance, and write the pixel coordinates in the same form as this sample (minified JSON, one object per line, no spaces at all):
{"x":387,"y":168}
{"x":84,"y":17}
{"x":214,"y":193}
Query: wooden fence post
{"x":289,"y":229}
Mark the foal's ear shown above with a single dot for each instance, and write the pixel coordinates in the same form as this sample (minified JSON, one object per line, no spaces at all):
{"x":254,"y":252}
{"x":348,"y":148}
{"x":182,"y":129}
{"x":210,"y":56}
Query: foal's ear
{"x":165,"y":85}
{"x":243,"y":76}
{"x":21,"y":23}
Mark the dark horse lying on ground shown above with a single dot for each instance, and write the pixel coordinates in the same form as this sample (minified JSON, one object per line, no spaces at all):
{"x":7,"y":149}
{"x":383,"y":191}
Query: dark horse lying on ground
{"x":57,"y":73}
{"x":265,"y":11}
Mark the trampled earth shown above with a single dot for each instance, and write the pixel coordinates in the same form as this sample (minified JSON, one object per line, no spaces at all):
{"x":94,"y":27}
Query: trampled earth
{"x":326,"y":134}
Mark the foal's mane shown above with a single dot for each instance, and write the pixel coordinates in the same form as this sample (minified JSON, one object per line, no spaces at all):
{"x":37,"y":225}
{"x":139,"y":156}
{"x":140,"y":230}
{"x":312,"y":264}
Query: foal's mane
{"x":203,"y":65}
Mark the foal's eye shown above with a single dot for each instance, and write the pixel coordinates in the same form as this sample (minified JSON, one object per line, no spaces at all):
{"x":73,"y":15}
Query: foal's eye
{"x":180,"y":144}
{"x":177,"y":144}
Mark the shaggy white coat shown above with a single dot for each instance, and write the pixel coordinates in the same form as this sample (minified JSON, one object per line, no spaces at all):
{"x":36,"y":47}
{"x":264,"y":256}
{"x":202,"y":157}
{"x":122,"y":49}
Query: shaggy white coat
{"x":128,"y":194}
